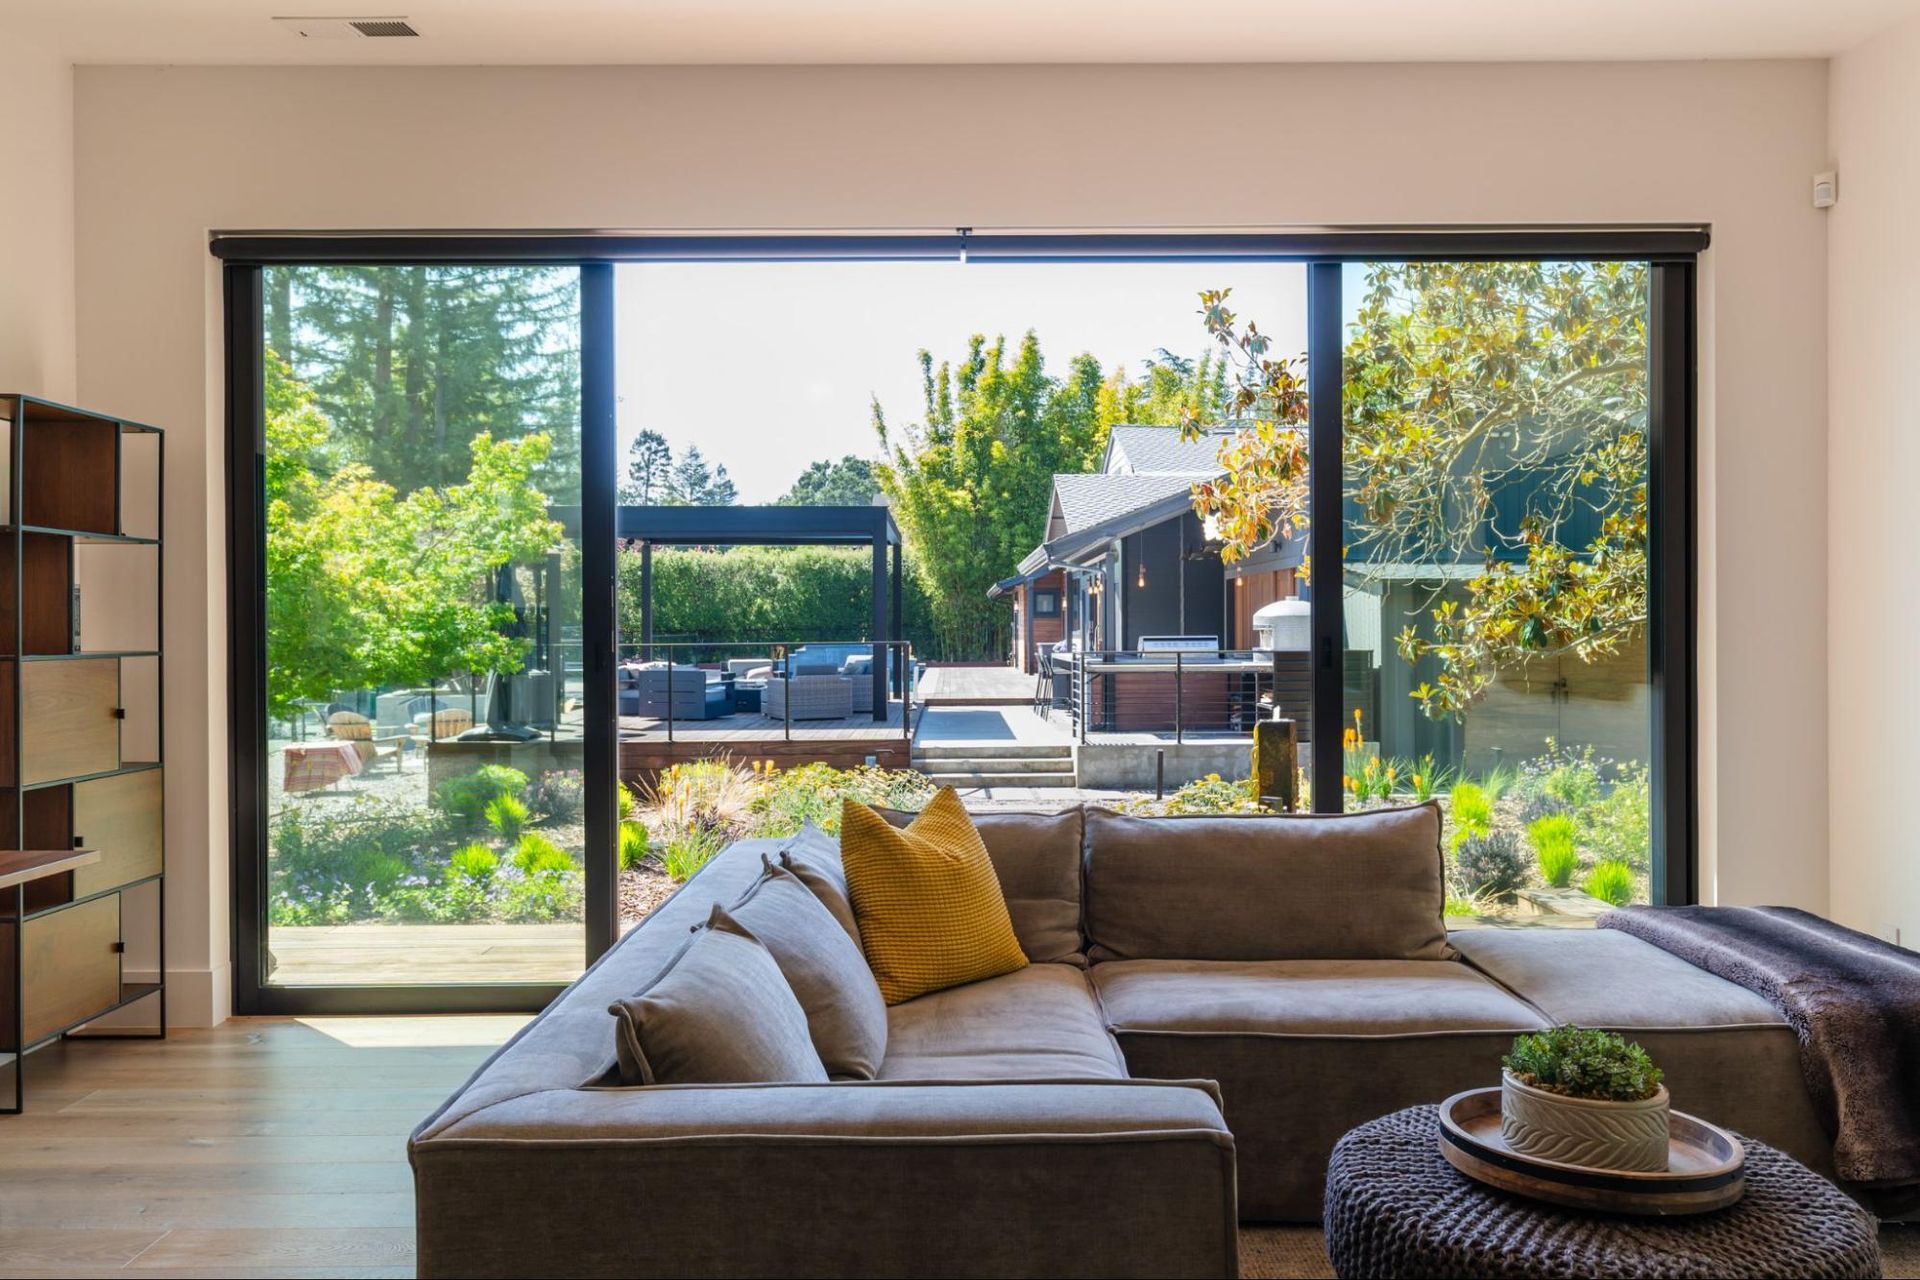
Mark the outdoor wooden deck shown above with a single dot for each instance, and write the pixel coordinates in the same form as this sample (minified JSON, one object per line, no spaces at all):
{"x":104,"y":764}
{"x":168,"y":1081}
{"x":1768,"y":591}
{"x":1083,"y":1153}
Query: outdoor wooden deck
{"x":350,"y":955}
{"x":757,"y":728}
{"x":975,"y":686}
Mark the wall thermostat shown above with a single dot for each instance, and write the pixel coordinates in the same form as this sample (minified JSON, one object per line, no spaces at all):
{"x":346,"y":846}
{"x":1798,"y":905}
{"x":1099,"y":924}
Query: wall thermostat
{"x":1826,"y":189}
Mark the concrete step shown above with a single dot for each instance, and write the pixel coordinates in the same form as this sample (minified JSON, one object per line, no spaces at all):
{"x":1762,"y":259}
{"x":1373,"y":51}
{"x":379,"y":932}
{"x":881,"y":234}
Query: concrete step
{"x":964,"y":781}
{"x":993,"y":751}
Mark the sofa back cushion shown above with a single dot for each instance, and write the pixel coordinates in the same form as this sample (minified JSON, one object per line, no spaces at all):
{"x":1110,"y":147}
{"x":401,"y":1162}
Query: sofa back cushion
{"x":814,"y":857}
{"x":720,"y":1013}
{"x":1037,"y":858}
{"x":1362,"y":886}
{"x":829,"y":976}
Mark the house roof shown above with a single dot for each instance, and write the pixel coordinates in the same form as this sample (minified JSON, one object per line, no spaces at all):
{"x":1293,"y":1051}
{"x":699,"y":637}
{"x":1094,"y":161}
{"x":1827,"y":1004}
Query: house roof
{"x":1069,"y":547}
{"x":1080,"y":502}
{"x":1147,"y":477}
{"x":1159,"y":451}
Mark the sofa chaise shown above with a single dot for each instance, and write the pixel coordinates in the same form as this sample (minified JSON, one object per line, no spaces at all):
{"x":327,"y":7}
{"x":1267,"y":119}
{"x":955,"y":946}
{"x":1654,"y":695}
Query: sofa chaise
{"x":1211,"y":1003}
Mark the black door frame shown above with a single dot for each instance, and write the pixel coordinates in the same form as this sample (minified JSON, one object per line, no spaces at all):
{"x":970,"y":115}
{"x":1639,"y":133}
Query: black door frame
{"x":1672,"y":252}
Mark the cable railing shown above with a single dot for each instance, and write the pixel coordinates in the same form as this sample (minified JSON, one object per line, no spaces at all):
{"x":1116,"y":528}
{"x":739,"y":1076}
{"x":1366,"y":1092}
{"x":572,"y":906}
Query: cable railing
{"x":1185,"y":691}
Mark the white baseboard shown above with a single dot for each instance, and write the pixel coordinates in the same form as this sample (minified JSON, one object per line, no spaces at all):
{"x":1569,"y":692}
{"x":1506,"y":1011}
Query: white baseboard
{"x":195,"y":998}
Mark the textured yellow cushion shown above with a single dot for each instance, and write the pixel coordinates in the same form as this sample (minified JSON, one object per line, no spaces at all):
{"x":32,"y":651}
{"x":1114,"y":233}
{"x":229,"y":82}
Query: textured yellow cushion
{"x":929,"y":905}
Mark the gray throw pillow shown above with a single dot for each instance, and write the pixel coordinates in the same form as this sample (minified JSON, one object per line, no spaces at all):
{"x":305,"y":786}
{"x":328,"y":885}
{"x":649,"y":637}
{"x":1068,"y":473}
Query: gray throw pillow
{"x":814,"y":856}
{"x":826,"y":969}
{"x":720,"y":1013}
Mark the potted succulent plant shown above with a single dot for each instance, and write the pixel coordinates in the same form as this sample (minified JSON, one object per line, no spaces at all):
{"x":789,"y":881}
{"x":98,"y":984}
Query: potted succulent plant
{"x":1584,"y":1097}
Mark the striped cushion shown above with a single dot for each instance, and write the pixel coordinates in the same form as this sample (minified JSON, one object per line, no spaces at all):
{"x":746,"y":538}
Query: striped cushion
{"x":350,"y":725}
{"x":929,"y":905}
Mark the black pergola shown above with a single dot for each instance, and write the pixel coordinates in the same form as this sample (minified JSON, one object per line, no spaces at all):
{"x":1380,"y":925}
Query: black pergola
{"x":780,"y":526}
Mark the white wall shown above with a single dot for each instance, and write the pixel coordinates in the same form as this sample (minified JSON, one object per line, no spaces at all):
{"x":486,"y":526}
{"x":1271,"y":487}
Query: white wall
{"x":164,"y":155}
{"x":36,"y":225}
{"x":1873,"y":265}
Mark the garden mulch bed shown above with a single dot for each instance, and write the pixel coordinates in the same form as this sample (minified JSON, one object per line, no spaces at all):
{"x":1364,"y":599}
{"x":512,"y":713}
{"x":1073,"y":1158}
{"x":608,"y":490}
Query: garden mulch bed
{"x":642,"y":888}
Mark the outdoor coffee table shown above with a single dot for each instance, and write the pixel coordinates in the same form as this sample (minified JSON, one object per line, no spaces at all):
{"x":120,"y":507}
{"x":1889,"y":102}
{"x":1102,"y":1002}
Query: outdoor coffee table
{"x":1395,"y":1207}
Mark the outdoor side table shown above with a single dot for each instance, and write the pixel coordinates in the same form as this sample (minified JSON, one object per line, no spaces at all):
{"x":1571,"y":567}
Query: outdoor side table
{"x":747,"y":694}
{"x":1395,"y":1207}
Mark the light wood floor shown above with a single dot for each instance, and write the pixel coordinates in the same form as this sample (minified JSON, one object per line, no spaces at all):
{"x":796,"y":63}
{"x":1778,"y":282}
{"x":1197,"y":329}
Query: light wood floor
{"x":261,"y":1147}
{"x":277,"y":1147}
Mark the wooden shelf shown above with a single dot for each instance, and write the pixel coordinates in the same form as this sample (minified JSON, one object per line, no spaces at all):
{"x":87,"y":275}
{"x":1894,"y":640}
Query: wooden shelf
{"x":83,"y":535}
{"x":81,"y":830}
{"x":17,"y":866}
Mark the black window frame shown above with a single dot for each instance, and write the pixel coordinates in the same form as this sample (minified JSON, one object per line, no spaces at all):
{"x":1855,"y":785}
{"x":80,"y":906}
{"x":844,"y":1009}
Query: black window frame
{"x":1671,"y":251}
{"x":1052,"y":596}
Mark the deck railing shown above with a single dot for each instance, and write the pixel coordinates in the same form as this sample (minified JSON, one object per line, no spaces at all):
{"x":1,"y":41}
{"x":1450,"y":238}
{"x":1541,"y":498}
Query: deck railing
{"x":891,"y":673}
{"x":1182,"y":691}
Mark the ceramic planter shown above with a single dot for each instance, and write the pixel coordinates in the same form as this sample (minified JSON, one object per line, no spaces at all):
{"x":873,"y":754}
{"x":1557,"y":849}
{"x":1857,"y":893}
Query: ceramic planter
{"x":1630,"y":1136}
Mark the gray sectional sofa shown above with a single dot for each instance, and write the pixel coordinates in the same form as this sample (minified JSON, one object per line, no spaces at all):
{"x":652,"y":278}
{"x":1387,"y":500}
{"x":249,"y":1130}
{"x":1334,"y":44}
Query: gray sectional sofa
{"x":1212,"y":1002}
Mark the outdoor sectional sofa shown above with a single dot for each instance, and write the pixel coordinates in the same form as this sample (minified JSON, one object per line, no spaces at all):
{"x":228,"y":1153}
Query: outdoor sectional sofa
{"x":1212,"y":1002}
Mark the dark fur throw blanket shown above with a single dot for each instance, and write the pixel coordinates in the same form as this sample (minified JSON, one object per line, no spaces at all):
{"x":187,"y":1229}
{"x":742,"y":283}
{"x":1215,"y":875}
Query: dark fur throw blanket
{"x":1853,"y":1000}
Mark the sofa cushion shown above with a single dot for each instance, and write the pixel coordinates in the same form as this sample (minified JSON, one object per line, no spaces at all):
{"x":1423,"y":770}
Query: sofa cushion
{"x":1362,"y":886}
{"x":928,"y":904}
{"x":720,"y":1013}
{"x":845,"y":1014}
{"x":1373,"y":999}
{"x":814,"y":856}
{"x":1727,"y":1055}
{"x":1037,"y":859}
{"x":1038,"y":1023}
{"x":1304,"y":1050}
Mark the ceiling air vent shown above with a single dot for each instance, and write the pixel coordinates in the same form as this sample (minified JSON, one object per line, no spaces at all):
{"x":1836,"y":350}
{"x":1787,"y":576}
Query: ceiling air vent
{"x":382,"y":28}
{"x":347,"y":28}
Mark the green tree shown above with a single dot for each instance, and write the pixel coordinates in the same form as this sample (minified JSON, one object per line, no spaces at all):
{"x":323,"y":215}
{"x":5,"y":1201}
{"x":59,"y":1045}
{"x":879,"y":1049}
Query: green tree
{"x":1492,"y":409}
{"x":970,"y":483}
{"x":410,"y":363}
{"x":848,"y":482}
{"x":368,"y":587}
{"x":692,"y":482}
{"x":1171,"y":391}
{"x":649,"y":458}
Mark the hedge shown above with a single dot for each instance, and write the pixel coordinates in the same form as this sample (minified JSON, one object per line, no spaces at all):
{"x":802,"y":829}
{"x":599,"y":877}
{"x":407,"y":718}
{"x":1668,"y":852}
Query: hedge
{"x":763,"y":595}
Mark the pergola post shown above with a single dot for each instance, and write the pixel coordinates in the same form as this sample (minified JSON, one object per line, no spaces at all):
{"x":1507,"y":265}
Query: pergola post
{"x":897,"y":631}
{"x":880,"y":621}
{"x":646,"y":602}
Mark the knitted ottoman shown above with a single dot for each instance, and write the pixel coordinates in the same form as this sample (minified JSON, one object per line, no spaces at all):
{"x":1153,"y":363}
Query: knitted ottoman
{"x":1395,"y":1207}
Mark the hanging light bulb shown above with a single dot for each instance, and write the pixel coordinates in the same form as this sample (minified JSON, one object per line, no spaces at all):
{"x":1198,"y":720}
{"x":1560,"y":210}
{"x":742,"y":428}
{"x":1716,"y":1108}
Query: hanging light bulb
{"x":1140,"y":581}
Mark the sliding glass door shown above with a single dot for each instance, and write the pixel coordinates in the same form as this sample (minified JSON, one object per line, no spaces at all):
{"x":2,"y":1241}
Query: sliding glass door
{"x":421,"y":778}
{"x":1496,"y":441}
{"x":1449,"y":531}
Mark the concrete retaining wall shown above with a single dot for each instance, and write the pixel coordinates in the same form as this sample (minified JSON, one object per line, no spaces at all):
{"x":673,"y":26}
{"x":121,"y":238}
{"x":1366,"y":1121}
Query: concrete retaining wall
{"x":1129,"y":766}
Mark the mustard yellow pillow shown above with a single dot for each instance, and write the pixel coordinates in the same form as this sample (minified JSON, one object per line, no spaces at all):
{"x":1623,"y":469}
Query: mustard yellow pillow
{"x":929,"y":905}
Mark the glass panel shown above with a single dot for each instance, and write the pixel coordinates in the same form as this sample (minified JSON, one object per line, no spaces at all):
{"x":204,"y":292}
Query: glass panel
{"x":1008,"y":413}
{"x":1496,"y":455}
{"x":424,"y":689}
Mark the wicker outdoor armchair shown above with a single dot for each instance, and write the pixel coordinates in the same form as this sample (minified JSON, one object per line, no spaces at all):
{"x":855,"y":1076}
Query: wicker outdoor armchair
{"x":814,"y":696}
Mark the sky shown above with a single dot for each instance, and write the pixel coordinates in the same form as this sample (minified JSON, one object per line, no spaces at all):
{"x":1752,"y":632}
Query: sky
{"x":768,"y":367}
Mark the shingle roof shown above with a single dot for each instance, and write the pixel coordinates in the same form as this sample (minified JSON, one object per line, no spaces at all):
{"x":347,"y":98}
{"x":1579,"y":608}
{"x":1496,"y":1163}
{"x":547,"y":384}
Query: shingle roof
{"x":1084,"y":501}
{"x":1159,"y":451}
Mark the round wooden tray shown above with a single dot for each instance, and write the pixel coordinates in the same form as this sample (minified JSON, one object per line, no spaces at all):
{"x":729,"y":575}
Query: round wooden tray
{"x":1706,"y":1166}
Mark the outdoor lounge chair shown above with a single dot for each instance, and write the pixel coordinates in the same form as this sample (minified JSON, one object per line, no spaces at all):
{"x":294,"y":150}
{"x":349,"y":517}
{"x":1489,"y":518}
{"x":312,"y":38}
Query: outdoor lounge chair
{"x":809,"y":695}
{"x":858,"y":672}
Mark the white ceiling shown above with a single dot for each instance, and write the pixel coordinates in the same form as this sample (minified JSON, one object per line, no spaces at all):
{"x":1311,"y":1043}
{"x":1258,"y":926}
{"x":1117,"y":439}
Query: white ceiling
{"x":558,"y":32}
